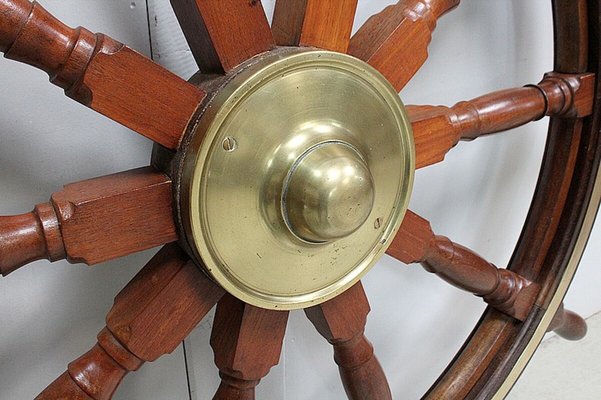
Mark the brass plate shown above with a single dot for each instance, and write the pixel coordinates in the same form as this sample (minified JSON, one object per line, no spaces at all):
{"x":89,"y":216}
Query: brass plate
{"x":252,"y":134}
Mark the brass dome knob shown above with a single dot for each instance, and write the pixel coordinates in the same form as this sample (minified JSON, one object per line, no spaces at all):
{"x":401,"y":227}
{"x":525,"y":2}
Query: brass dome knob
{"x":328,"y":194}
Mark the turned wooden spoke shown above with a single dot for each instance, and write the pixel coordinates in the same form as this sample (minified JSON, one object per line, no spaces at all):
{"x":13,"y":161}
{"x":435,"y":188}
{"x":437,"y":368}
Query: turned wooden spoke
{"x":502,"y":289}
{"x":396,"y":40}
{"x":326,"y":24}
{"x":29,"y":237}
{"x":342,"y":322}
{"x":92,"y":221}
{"x":437,"y":129}
{"x":247,"y":342}
{"x":100,"y":72}
{"x":568,"y":324}
{"x":150,"y":318}
{"x":223,"y":33}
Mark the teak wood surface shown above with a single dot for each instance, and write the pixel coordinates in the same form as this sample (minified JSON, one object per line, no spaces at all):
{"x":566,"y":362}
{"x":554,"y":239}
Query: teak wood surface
{"x":108,"y":217}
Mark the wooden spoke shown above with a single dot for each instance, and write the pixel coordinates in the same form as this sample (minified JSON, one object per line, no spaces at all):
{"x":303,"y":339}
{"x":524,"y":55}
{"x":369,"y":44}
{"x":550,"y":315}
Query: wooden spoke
{"x":92,"y":221}
{"x":100,"y":72}
{"x":395,"y":41}
{"x":29,"y":237}
{"x":437,"y":129}
{"x":223,"y":33}
{"x":326,"y":24}
{"x":568,"y":324}
{"x":150,"y":318}
{"x":247,"y":342}
{"x":342,"y":322}
{"x":504,"y":290}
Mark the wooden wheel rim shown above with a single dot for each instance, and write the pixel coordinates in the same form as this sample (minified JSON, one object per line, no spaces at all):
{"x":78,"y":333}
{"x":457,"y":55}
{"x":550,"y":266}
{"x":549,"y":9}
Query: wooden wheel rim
{"x":545,"y":259}
{"x":514,"y":344}
{"x":556,"y":300}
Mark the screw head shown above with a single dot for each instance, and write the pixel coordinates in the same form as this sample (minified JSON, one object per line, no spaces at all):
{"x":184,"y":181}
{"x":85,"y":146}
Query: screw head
{"x":378,"y":223}
{"x":230,"y":144}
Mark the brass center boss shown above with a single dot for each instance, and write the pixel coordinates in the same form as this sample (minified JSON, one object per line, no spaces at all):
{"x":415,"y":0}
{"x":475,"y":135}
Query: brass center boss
{"x":297,"y":176}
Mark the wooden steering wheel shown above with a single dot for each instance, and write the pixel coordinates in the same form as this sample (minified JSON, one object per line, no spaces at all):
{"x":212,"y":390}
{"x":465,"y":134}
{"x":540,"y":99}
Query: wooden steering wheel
{"x":282,"y":172}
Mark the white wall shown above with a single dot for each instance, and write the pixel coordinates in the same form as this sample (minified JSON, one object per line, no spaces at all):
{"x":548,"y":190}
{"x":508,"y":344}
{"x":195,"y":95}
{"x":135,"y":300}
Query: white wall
{"x":49,"y":314}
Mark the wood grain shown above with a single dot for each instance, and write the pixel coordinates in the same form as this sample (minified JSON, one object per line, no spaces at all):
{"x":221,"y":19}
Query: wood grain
{"x":100,"y":72}
{"x":438,"y":129}
{"x":223,"y":33}
{"x":64,"y":388}
{"x":568,"y":324}
{"x":546,"y":244}
{"x":96,"y":374}
{"x":494,"y":333}
{"x":395,"y":41}
{"x":162,"y":304}
{"x":342,"y":322}
{"x":502,"y":289}
{"x":92,"y":221}
{"x":247,"y":342}
{"x":326,"y":24}
{"x":30,"y":237}
{"x":571,"y":33}
{"x":150,"y":318}
{"x":112,"y":216}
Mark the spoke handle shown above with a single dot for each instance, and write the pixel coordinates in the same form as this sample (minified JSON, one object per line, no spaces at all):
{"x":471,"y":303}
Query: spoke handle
{"x":437,"y":129}
{"x":32,"y":35}
{"x":64,"y":387}
{"x":568,"y":324}
{"x":150,"y":317}
{"x":14,"y":16}
{"x":341,"y":321}
{"x":502,"y":289}
{"x":361,"y":373}
{"x":100,"y":73}
{"x":557,"y":95}
{"x":30,"y":237}
{"x":247,"y":342}
{"x":95,"y":375}
{"x":92,"y":221}
{"x":499,"y":111}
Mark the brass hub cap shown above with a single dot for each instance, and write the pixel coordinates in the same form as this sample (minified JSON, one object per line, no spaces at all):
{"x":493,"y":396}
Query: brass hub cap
{"x":297,"y":175}
{"x":328,"y":193}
